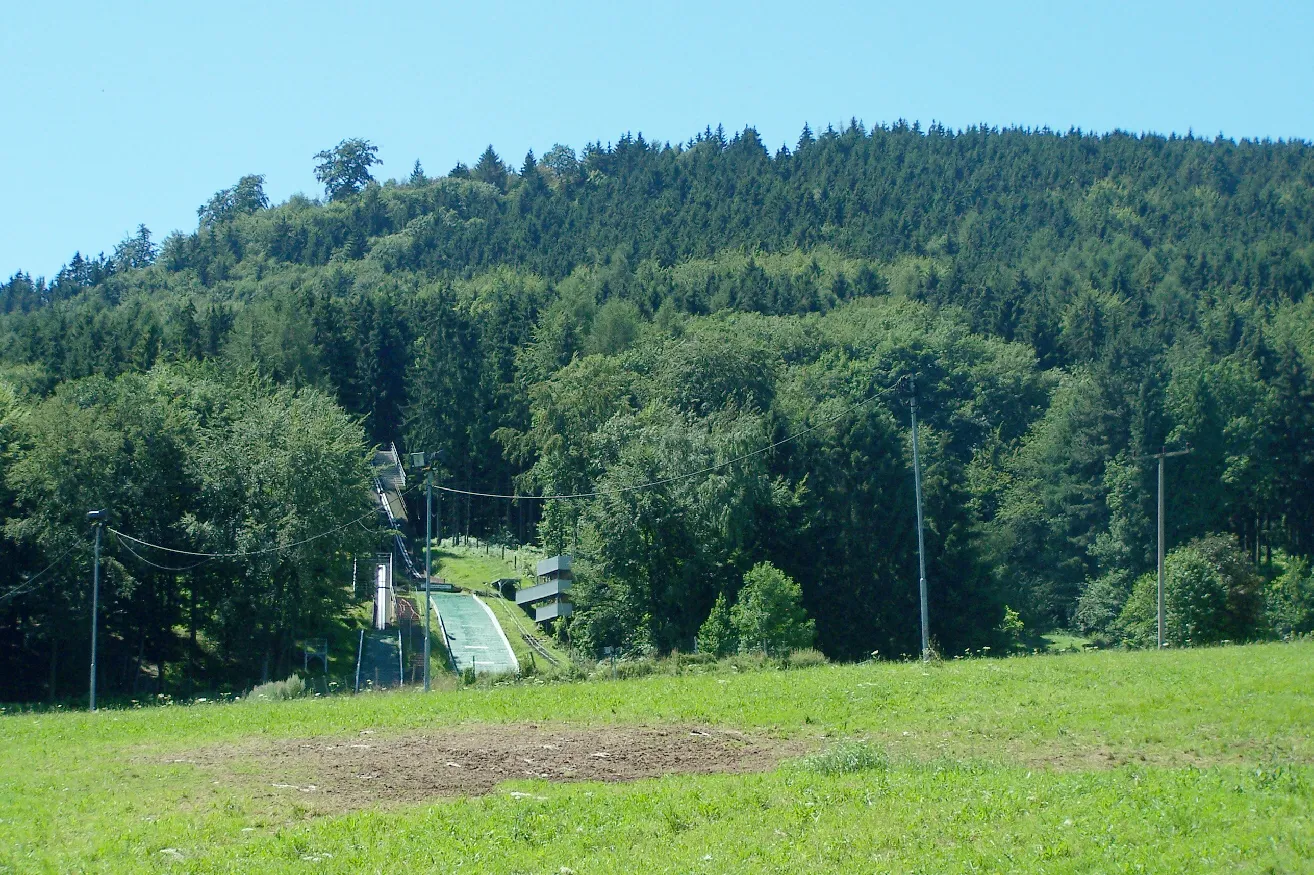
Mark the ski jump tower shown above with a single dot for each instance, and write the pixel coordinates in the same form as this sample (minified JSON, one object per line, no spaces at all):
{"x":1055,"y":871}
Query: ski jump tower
{"x":545,"y":600}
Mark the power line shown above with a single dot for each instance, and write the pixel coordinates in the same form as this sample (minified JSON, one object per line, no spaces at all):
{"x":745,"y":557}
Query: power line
{"x":244,"y":553}
{"x":30,"y":583}
{"x":621,"y":490}
{"x":146,"y":561}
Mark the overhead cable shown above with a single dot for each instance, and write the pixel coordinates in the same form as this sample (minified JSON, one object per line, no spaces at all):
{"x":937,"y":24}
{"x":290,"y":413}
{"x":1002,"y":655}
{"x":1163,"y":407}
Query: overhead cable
{"x":599,"y":493}
{"x":156,"y":565}
{"x":243,"y":553}
{"x":30,"y":584}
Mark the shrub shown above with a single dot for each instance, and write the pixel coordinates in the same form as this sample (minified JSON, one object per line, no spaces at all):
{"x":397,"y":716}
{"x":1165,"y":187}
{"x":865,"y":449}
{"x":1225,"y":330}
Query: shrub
{"x":807,"y":657}
{"x":632,"y":668}
{"x":717,"y":634}
{"x":689,"y":660}
{"x":1101,"y":603}
{"x":1245,"y":587}
{"x":769,"y":613}
{"x":276,"y":691}
{"x":1289,"y":601}
{"x":846,"y":758}
{"x":1211,"y":593}
{"x":1010,"y":630}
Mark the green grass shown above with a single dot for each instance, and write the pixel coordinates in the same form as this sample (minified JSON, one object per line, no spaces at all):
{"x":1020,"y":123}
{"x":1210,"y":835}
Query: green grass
{"x":1185,"y":761}
{"x":473,"y":569}
{"x":1064,"y":642}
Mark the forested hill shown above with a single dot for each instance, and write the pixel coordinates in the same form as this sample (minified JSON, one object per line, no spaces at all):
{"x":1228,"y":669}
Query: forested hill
{"x":1068,"y":302}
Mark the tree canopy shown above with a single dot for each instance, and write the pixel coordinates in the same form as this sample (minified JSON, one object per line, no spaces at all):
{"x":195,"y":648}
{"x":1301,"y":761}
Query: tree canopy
{"x":725,"y":323}
{"x":345,"y":169}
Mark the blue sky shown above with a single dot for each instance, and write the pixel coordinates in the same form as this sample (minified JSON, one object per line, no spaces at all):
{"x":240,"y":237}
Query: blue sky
{"x":127,"y":113}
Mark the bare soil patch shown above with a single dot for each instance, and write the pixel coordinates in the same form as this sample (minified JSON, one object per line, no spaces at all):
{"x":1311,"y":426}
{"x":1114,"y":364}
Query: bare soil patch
{"x":337,"y":773}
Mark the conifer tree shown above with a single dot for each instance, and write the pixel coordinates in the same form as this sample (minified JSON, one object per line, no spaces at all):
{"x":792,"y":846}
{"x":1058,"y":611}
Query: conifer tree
{"x":491,"y":170}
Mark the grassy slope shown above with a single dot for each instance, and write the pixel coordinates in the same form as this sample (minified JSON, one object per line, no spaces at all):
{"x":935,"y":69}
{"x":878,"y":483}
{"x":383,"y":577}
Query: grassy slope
{"x":470,"y":568}
{"x":1163,"y":762}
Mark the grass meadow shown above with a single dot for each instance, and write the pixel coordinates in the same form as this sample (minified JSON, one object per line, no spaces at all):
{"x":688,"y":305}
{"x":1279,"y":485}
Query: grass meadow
{"x":1189,"y":761}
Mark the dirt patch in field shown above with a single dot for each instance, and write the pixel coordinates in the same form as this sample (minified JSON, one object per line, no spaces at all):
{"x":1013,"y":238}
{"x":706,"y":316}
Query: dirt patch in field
{"x":368,"y":769}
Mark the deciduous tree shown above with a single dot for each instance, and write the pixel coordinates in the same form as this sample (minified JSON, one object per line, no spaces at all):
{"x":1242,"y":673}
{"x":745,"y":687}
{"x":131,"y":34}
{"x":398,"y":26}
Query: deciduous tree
{"x":345,"y":169}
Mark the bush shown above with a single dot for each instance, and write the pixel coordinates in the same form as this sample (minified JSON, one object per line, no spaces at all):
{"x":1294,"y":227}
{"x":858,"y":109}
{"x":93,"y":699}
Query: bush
{"x":1245,"y":586}
{"x":1101,"y":603}
{"x":277,"y":691}
{"x":689,"y":660}
{"x":628,"y":669}
{"x":769,"y":613}
{"x":1211,"y":594}
{"x":717,"y":634}
{"x":846,"y":758}
{"x":1289,"y":601}
{"x":808,"y":657}
{"x":1010,"y":630}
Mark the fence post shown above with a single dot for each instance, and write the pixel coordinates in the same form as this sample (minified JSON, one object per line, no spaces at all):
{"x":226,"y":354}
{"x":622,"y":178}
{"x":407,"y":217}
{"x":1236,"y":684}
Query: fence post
{"x":359,"y":650}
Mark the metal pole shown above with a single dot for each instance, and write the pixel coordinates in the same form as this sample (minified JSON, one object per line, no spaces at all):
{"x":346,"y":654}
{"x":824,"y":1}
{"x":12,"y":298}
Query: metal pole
{"x":428,"y":566}
{"x":921,"y":543}
{"x":95,"y":609}
{"x":1162,"y":454}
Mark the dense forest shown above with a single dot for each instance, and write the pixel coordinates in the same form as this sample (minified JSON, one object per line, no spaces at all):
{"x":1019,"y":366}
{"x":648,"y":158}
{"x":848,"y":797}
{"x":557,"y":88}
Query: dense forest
{"x":1065,"y":305}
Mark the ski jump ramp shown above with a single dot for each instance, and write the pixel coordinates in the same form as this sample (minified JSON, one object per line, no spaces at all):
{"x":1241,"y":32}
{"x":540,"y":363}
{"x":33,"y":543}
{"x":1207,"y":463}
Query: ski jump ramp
{"x":474,"y":637}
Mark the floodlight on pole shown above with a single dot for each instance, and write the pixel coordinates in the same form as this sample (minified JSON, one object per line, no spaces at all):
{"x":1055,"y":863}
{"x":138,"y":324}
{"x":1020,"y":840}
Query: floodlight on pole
{"x":97,"y":518}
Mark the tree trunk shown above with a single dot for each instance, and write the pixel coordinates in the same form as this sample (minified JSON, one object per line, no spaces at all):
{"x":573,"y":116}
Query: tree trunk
{"x":469,"y":485}
{"x":191,"y":643}
{"x":1256,"y":538}
{"x":54,"y":661}
{"x":136,"y":672}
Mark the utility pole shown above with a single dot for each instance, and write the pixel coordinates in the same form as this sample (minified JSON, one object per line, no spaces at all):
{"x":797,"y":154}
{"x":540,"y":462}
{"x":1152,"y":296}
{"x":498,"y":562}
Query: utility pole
{"x":1160,"y":456}
{"x":428,"y":563}
{"x":97,"y":518}
{"x":911,"y":387}
{"x":426,"y":461}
